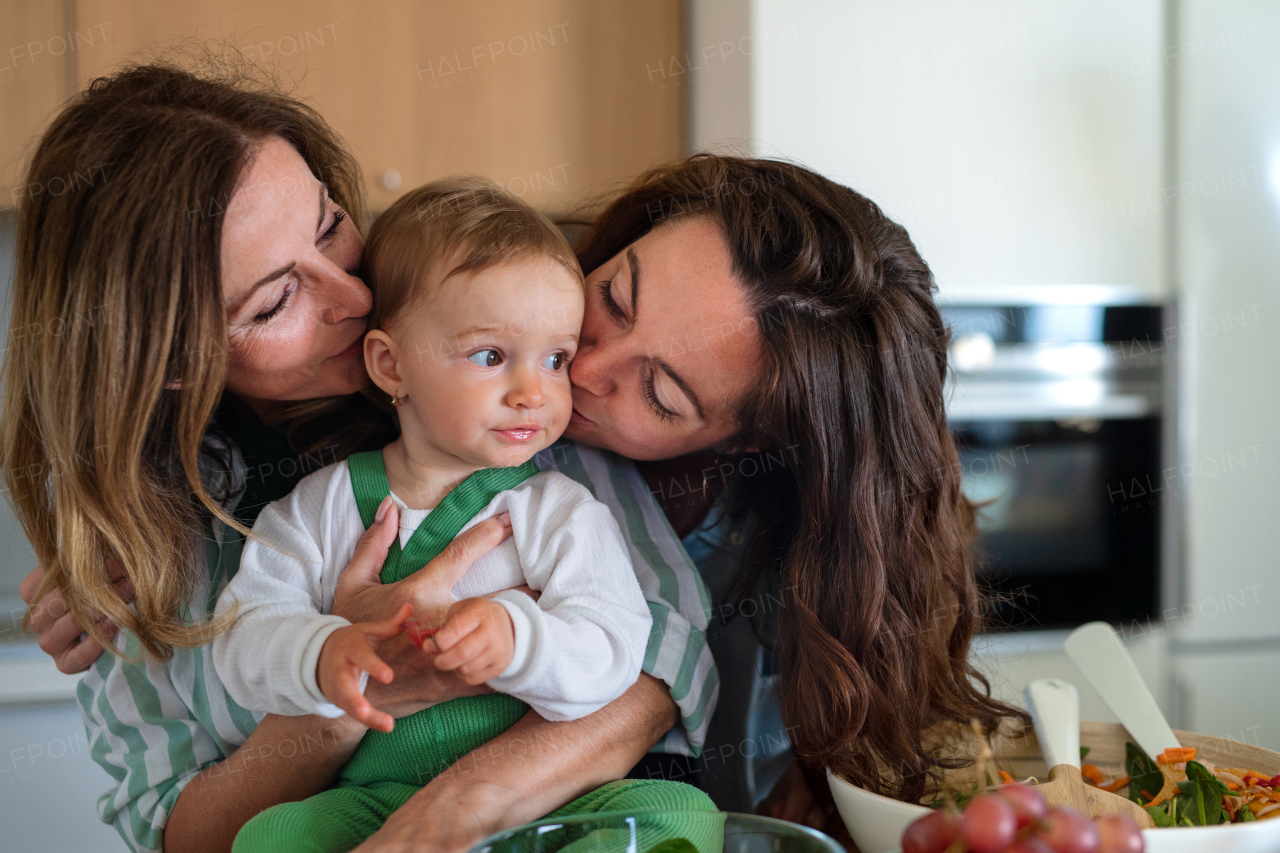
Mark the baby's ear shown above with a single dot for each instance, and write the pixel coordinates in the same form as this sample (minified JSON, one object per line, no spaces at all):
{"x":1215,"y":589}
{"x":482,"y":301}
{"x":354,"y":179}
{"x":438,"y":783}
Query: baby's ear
{"x":382,"y":360}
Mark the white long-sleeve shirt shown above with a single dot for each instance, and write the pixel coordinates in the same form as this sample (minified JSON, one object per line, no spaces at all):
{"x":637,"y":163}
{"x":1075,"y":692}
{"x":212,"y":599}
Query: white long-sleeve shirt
{"x":577,"y":648}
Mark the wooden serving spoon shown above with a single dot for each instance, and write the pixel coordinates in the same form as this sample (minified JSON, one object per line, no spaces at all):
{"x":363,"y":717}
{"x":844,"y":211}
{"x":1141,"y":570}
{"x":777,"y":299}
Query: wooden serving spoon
{"x":1055,"y":710}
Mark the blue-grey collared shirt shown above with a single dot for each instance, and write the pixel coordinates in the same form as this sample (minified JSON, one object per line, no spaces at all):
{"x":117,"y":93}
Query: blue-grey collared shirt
{"x":747,"y":748}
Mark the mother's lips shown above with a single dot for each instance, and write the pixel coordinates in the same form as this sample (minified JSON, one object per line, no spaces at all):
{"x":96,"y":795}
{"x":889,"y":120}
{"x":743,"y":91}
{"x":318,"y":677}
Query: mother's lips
{"x":580,"y":418}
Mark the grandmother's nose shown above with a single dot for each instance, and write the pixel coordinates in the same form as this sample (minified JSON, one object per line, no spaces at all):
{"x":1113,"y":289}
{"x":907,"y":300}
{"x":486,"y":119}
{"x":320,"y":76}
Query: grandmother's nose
{"x":347,"y":296}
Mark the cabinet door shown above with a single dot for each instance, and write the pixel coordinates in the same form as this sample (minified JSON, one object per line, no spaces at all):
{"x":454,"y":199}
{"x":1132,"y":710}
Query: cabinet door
{"x":39,"y":48}
{"x":1019,"y":143}
{"x":549,"y":99}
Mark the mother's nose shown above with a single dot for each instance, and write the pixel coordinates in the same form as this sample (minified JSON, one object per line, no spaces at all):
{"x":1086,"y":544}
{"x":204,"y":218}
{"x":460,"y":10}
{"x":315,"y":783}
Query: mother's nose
{"x":594,"y":369}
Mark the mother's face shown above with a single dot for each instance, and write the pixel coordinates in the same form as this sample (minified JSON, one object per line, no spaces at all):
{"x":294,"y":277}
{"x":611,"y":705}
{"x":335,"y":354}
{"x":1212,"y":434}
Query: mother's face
{"x":668,"y":346}
{"x":295,"y":308}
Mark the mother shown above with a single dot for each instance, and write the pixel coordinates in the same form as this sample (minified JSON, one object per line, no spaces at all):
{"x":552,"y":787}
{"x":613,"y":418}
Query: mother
{"x":735,"y":307}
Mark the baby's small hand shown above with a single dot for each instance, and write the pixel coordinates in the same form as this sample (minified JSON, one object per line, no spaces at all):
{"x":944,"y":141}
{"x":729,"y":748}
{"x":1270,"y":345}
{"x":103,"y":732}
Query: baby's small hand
{"x":347,"y":652}
{"x":477,"y":639}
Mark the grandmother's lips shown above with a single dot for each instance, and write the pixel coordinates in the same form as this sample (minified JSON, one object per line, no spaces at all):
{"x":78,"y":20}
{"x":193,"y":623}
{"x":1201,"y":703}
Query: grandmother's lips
{"x":353,"y":350}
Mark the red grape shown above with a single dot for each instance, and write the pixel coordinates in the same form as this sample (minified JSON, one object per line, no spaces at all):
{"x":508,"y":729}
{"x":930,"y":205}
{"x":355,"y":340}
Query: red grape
{"x":1027,"y":804}
{"x":932,"y":833}
{"x":989,"y":824}
{"x":1118,"y":833}
{"x":1031,"y":844}
{"x":1068,"y":831}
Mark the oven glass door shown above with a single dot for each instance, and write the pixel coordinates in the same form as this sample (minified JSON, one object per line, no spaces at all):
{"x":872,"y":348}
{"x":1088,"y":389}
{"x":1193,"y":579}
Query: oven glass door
{"x":1064,"y":535}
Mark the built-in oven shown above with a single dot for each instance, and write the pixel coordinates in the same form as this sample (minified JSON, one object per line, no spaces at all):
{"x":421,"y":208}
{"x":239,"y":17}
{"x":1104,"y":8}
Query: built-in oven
{"x":1058,"y":406}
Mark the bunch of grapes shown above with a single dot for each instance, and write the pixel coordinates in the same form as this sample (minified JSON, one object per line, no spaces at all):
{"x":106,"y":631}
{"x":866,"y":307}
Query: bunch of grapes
{"x":1015,"y":819}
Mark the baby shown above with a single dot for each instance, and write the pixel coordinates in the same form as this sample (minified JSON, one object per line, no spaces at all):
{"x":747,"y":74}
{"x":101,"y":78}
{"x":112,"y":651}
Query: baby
{"x":478,"y":305}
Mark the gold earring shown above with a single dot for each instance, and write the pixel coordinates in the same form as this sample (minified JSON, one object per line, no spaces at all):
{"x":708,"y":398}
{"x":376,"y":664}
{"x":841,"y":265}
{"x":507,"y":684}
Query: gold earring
{"x":395,"y":399}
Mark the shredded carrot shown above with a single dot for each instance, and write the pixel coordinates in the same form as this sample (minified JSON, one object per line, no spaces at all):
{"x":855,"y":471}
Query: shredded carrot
{"x":1177,"y":755}
{"x":1115,"y":785}
{"x":1005,"y":777}
{"x":1092,"y":773}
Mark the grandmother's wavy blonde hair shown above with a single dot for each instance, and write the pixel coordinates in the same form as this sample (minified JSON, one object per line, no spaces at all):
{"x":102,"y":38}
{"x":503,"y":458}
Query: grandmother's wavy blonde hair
{"x":117,"y":302}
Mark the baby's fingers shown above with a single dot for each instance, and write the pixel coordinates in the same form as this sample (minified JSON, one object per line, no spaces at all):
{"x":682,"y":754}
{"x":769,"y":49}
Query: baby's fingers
{"x":374,"y":718}
{"x":463,"y":620}
{"x":347,"y":696}
{"x":462,"y":651}
{"x":363,"y":657}
{"x":389,"y":628}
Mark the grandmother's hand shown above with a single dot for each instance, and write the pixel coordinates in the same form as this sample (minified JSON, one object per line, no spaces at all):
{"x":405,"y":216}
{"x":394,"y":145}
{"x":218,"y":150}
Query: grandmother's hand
{"x":362,"y":597}
{"x":60,"y":635}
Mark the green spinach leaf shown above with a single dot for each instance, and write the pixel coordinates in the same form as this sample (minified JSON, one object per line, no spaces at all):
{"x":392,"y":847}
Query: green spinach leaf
{"x":1201,"y":796}
{"x":1144,"y":775}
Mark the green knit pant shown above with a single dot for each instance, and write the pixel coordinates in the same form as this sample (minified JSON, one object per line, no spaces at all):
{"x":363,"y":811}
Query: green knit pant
{"x":339,"y":819}
{"x":387,"y":769}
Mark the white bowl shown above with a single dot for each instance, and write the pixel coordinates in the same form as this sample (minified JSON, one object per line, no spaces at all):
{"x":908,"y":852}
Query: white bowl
{"x":877,"y":823}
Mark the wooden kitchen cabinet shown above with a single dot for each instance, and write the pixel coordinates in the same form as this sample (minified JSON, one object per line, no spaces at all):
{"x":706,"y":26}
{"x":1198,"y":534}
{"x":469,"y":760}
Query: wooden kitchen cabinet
{"x":551,"y":99}
{"x":35,"y":68}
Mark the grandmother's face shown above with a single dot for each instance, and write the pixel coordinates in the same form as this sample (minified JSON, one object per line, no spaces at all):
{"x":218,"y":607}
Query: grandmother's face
{"x":295,"y":307}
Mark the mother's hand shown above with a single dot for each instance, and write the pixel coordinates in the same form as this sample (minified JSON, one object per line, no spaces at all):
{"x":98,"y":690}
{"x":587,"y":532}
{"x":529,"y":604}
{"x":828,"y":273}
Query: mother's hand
{"x":362,"y":597}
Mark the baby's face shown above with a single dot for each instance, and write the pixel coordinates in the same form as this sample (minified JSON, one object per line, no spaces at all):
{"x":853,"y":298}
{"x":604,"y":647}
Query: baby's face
{"x":485,"y":361}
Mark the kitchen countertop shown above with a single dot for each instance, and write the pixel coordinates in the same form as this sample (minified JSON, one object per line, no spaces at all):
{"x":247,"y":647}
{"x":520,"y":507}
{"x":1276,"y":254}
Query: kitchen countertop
{"x":29,"y":675}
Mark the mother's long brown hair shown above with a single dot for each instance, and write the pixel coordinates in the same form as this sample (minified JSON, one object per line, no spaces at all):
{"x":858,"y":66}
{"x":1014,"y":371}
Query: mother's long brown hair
{"x":118,"y":337}
{"x":866,"y":524}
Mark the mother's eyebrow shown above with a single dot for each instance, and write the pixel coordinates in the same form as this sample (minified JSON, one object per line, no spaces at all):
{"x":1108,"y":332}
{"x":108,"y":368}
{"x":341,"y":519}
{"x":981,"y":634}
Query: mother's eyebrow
{"x":684,"y":386}
{"x":634,"y":263}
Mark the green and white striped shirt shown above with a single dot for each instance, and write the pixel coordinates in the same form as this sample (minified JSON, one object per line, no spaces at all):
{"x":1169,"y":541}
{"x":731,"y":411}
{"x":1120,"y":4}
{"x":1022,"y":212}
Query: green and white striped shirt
{"x":154,"y":726}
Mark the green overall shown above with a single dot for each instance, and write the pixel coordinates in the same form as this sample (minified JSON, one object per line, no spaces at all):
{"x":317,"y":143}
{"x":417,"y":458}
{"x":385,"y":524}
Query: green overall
{"x":388,"y":768}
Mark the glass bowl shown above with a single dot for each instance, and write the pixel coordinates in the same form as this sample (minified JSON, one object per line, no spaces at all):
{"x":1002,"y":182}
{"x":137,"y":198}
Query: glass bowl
{"x":659,"y":832}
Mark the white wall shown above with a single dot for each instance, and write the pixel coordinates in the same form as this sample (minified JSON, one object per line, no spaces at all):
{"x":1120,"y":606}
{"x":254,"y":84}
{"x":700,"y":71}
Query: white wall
{"x":1018,"y":142}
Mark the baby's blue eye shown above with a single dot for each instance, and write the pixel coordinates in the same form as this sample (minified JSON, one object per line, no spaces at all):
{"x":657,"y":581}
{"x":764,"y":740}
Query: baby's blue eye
{"x":485,"y":358}
{"x":554,"y":362}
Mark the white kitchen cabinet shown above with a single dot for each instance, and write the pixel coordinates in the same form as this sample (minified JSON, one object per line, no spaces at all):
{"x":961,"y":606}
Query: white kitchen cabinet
{"x":1228,"y":240}
{"x":1019,"y":143}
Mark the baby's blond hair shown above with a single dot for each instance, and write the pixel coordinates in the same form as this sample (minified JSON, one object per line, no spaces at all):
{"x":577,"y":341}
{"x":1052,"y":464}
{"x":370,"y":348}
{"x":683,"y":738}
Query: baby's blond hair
{"x":452,"y":226}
